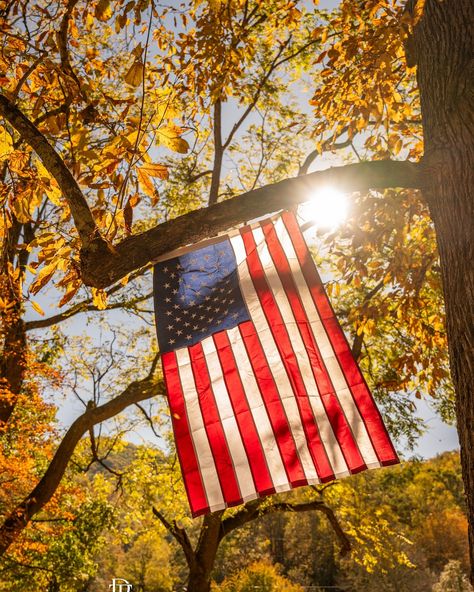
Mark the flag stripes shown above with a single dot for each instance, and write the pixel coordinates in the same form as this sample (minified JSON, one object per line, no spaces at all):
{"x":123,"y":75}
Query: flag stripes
{"x":277,"y":401}
{"x":368,"y":419}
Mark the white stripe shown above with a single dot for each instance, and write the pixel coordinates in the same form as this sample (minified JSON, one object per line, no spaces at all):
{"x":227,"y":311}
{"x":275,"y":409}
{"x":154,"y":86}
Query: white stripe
{"x":334,"y":369}
{"x":235,"y":445}
{"x":198,"y":432}
{"x":257,"y":407}
{"x":274,"y":360}
{"x":326,"y":432}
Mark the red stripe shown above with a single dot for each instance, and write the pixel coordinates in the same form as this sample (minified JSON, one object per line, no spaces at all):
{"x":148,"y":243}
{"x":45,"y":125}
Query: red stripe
{"x":337,"y":419}
{"x":243,"y":415}
{"x":213,"y":424}
{"x":357,"y":385}
{"x":290,"y":362}
{"x":273,"y":405}
{"x":184,"y":444}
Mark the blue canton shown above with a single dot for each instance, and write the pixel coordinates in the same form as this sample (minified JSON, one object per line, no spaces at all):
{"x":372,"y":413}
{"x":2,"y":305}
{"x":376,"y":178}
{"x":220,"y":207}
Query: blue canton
{"x":196,"y":295}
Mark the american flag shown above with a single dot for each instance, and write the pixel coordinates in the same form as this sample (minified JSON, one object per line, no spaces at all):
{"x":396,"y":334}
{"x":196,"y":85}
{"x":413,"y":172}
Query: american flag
{"x":264,"y":392}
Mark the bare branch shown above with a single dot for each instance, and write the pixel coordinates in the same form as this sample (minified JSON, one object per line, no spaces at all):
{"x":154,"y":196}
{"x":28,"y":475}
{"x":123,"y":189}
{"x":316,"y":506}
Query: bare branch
{"x":274,"y":64}
{"x":19,"y":518}
{"x":179,"y":534}
{"x":218,"y":153}
{"x":85,"y":306}
{"x":62,"y":38}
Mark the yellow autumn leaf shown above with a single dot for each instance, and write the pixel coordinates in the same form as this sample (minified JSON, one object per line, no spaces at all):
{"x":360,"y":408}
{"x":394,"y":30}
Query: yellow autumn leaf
{"x":134,"y":76}
{"x":70,"y":293}
{"x":155,"y":170}
{"x":99,"y":298}
{"x":6,"y":144}
{"x":37,"y":307}
{"x":103,"y":10}
{"x":170,"y":136}
{"x":43,"y":277}
{"x":51,"y":187}
{"x":147,"y":185}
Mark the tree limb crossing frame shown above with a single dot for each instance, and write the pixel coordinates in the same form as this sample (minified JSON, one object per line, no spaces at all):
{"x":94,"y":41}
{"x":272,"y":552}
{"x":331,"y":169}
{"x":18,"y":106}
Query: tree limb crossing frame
{"x":103,"y":264}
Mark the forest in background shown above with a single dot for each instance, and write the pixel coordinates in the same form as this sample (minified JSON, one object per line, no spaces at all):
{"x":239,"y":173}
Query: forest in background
{"x":406,"y":526}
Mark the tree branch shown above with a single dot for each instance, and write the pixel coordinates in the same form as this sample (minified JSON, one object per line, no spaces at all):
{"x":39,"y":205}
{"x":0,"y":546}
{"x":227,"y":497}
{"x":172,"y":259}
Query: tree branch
{"x":101,"y":268}
{"x":218,"y":153}
{"x":85,"y":306}
{"x":329,"y":144}
{"x":253,"y":510}
{"x":62,"y":39}
{"x":180,"y":535}
{"x":359,"y":339}
{"x":18,"y":519}
{"x":55,"y":165}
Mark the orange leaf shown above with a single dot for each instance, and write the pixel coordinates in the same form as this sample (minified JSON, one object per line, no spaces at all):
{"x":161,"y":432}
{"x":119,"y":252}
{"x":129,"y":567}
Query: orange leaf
{"x":155,"y":170}
{"x":147,"y":185}
{"x":128,"y":216}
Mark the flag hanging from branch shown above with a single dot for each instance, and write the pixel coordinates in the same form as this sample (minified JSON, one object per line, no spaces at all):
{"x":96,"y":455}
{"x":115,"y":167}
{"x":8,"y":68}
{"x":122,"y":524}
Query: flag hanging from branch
{"x":264,"y":392}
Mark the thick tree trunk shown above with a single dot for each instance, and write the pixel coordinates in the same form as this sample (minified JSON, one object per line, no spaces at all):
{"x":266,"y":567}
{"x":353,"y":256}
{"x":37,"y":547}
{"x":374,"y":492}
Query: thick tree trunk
{"x":443,"y":52}
{"x":200,"y":569}
{"x":13,"y":358}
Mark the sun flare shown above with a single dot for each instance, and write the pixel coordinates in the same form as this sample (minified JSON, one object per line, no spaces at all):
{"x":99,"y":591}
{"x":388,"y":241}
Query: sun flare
{"x":326,"y":209}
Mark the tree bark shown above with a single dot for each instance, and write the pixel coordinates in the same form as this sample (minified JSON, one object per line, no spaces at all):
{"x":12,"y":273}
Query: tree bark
{"x":443,"y":51}
{"x":13,"y":360}
{"x":200,"y":570}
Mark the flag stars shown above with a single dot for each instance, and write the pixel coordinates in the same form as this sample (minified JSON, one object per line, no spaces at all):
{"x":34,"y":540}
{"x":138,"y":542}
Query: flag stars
{"x":201,"y":296}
